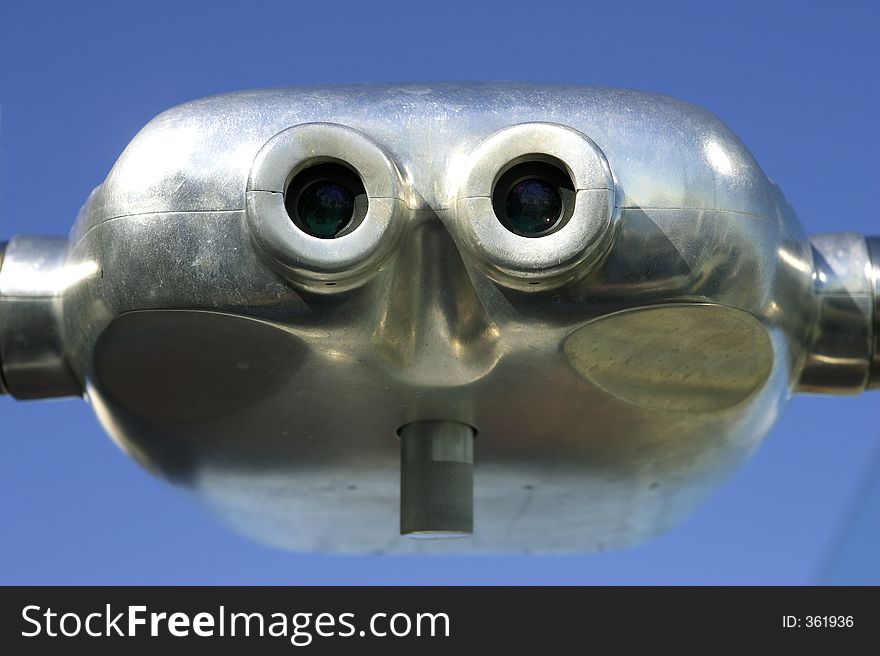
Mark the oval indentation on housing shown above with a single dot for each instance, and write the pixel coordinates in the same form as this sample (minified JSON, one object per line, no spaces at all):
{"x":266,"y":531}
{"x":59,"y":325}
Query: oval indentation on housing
{"x":679,"y":358}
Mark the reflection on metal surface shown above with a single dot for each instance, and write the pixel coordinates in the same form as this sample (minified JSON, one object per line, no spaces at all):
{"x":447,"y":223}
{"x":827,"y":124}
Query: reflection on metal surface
{"x":718,"y":157}
{"x":434,"y":331}
{"x":688,"y":358}
{"x":616,"y":366}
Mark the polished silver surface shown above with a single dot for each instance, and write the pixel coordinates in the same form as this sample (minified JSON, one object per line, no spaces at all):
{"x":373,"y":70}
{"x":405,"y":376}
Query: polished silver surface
{"x":615,"y":368}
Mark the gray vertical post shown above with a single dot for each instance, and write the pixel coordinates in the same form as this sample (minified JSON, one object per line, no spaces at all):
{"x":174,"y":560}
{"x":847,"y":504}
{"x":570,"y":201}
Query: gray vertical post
{"x":436,"y":479}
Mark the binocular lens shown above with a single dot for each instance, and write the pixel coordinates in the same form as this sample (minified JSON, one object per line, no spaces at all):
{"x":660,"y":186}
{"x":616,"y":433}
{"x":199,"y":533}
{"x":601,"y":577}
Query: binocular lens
{"x":326,"y":200}
{"x":533,"y":206}
{"x":534,"y":197}
{"x":325,"y":209}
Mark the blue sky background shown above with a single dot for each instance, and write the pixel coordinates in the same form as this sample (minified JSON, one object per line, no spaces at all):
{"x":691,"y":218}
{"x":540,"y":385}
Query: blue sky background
{"x":797,"y":81}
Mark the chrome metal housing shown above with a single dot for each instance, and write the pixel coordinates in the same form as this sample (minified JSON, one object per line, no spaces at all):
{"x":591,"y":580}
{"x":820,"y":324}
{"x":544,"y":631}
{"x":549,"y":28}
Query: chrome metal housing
{"x":614,"y":370}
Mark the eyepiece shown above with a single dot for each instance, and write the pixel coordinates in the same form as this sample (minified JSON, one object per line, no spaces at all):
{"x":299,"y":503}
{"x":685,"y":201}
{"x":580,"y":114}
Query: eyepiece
{"x":324,"y":205}
{"x":536,"y":204}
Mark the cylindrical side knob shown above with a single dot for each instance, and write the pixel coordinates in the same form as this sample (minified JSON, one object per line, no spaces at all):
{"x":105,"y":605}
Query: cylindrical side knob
{"x":436,"y":479}
{"x":840,"y":356}
{"x":874,"y":254}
